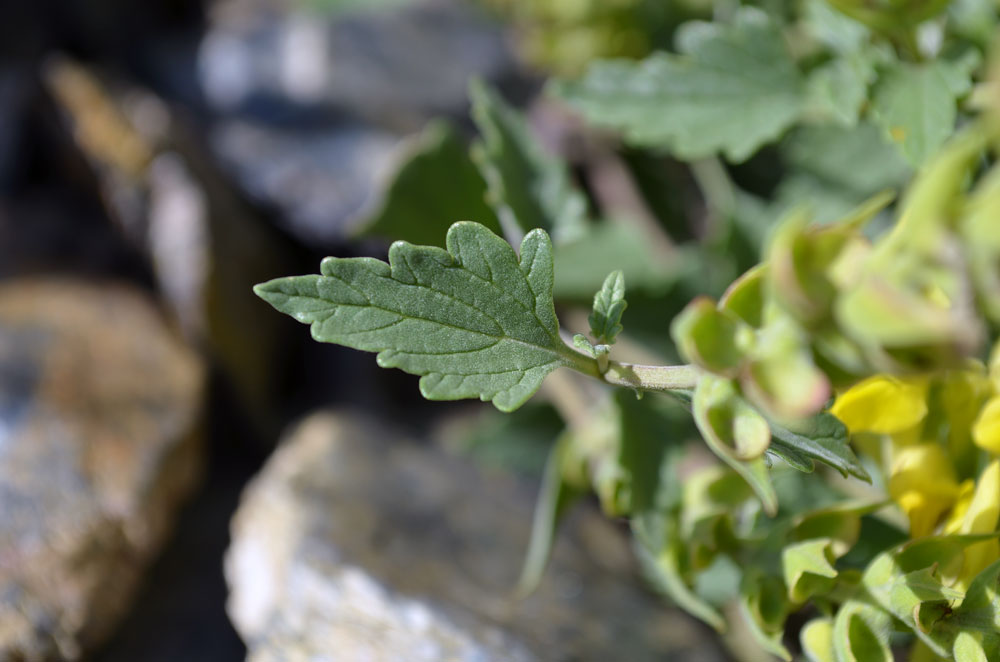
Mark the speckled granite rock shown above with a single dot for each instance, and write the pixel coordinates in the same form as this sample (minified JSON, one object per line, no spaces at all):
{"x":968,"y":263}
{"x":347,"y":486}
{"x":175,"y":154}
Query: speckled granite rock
{"x":354,"y":544}
{"x":98,"y":405}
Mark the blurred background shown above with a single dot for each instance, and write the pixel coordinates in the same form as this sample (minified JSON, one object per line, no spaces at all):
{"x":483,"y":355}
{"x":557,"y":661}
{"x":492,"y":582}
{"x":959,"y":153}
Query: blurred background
{"x":159,"y":158}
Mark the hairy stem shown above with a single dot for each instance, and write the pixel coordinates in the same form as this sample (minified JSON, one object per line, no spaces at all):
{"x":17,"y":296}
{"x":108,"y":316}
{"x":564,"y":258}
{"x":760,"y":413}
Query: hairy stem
{"x":652,"y":377}
{"x":664,"y":378}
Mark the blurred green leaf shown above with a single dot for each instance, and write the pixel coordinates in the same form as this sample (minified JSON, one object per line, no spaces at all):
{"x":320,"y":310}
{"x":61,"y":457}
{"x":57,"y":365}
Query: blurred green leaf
{"x":840,"y":523}
{"x":915,"y":104}
{"x":582,"y":262}
{"x":732,"y":88}
{"x":555,"y":497}
{"x":857,"y":159}
{"x":652,"y":437}
{"x":710,"y":337}
{"x":808,"y":568}
{"x":526,"y":187}
{"x":780,"y":378}
{"x":980,"y":610}
{"x":841,"y":33}
{"x":711,"y":497}
{"x":906,"y":582}
{"x":816,"y":638}
{"x":745,"y":297}
{"x":735,"y":432}
{"x":520,"y":441}
{"x":838,"y":89}
{"x":861,"y":633}
{"x":415,"y":208}
{"x":660,"y":554}
{"x":764,"y":606}
{"x":971,"y":647}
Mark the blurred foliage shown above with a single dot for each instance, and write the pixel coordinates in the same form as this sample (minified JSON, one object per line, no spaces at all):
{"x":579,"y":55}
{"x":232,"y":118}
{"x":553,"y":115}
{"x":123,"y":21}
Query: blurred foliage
{"x":562,"y":35}
{"x":856,"y":337}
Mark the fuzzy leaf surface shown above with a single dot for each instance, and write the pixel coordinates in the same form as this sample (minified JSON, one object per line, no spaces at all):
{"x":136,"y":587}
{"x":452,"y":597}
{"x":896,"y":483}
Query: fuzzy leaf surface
{"x":472,"y":321}
{"x":821,"y":437}
{"x":732,"y":88}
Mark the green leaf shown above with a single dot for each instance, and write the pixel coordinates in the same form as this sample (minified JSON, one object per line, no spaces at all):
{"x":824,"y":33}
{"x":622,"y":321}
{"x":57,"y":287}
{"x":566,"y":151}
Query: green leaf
{"x":839,"y":88}
{"x":982,"y":241}
{"x":712,"y":338}
{"x":735,"y":432}
{"x":861,"y":633}
{"x":609,"y":304}
{"x":969,"y":648}
{"x":858,"y":160}
{"x":781,"y":377}
{"x":527,"y":187}
{"x":710,"y":497}
{"x":745,"y":296}
{"x":581,"y":343}
{"x":808,"y":568}
{"x":519,"y":442}
{"x":821,"y":437}
{"x":817,"y":640}
{"x":915,"y":104}
{"x":732,"y":88}
{"x":980,"y":610}
{"x":415,"y":208}
{"x":554,"y":499}
{"x":660,"y":555}
{"x":651,"y":441}
{"x":840,"y":523}
{"x":905,"y":581}
{"x":837,"y":31}
{"x":472,"y":320}
{"x":764,"y":606}
{"x":582,"y":262}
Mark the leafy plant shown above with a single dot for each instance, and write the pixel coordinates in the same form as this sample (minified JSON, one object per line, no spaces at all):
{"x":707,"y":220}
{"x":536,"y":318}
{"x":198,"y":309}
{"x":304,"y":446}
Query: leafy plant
{"x":841,"y":383}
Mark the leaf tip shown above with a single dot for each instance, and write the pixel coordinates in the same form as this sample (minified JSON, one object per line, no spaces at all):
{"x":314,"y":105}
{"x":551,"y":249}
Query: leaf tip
{"x":270,"y":291}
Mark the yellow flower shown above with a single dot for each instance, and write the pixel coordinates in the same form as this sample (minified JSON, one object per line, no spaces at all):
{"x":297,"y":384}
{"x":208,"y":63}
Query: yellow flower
{"x":978,"y":512}
{"x":986,"y":429}
{"x":883,"y":405}
{"x":965,"y":493}
{"x":922,"y":481}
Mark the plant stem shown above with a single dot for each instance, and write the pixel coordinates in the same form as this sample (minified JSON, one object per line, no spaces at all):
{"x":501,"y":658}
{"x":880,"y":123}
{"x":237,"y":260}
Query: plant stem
{"x":716,"y":187}
{"x":652,"y":377}
{"x":663,"y":378}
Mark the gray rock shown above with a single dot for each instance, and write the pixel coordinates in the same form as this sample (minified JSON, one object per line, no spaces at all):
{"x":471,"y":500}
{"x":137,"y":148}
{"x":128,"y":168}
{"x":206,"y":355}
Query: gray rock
{"x":395,"y":68}
{"x":98,"y":407}
{"x":311,"y":107}
{"x":206,"y":246}
{"x":324,"y":180}
{"x":355,"y":544}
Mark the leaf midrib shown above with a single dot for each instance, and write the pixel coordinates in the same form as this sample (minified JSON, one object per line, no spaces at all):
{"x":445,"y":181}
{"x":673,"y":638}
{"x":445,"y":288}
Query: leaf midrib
{"x":557,"y":345}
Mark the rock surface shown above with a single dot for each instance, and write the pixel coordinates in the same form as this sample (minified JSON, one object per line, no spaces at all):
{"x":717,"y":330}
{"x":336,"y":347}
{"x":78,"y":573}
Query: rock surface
{"x":98,"y":407}
{"x":205,"y":245}
{"x":354,"y":544}
{"x":311,"y":106}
